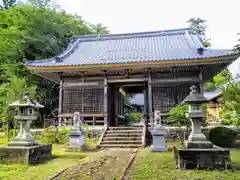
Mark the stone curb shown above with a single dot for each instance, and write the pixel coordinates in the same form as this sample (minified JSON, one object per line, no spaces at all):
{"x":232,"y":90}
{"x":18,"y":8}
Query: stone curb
{"x":57,"y":174}
{"x":129,"y":164}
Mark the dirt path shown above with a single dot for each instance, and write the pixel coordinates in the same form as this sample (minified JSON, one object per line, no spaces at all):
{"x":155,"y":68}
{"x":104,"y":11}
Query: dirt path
{"x":108,"y":164}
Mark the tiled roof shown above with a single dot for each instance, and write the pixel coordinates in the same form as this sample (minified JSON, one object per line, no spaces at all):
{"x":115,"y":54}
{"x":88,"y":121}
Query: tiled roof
{"x":178,"y":44}
{"x":212,"y":95}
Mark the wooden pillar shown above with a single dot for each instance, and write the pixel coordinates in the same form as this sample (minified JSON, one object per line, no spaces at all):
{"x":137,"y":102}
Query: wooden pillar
{"x":150,"y":103}
{"x":60,"y":102}
{"x":122,"y":105}
{"x":145,"y":94}
{"x":201,"y":84}
{"x":116,"y":103}
{"x":105,"y":101}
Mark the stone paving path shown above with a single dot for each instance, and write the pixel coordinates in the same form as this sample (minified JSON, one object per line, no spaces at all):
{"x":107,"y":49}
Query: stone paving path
{"x":108,"y":164}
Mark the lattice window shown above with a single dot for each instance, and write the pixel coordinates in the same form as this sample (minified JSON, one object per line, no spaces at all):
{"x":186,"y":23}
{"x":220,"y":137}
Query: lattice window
{"x":163,"y":98}
{"x":93,"y":100}
{"x":83,"y":100}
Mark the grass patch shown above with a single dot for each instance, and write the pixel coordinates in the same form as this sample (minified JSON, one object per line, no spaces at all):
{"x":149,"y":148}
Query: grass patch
{"x":153,"y":165}
{"x":62,"y":159}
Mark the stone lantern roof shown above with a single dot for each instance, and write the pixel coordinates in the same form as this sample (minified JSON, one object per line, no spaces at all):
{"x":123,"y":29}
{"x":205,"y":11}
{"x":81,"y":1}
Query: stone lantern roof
{"x":194,"y":97}
{"x":27,"y":102}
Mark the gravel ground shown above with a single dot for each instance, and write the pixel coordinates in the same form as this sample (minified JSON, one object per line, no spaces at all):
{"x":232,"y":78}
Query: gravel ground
{"x":108,"y":164}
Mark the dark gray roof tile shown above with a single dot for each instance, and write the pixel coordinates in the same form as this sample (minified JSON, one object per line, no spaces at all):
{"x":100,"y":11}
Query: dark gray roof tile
{"x":179,"y":44}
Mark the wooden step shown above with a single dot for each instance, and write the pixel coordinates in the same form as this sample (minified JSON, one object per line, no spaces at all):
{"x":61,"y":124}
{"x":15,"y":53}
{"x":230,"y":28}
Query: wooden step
{"x":122,"y":142}
{"x":119,"y":146}
{"x":137,"y":138}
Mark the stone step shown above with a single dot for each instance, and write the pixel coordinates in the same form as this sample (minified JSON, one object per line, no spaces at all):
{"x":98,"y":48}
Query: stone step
{"x":122,"y":142}
{"x":119,"y":146}
{"x":137,"y":138}
{"x":122,"y":134}
{"x":126,"y":128}
{"x":124,"y":131}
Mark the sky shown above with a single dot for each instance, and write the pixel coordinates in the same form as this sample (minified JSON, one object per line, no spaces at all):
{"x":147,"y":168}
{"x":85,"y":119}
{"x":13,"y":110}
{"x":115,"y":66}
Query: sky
{"x":123,"y":16}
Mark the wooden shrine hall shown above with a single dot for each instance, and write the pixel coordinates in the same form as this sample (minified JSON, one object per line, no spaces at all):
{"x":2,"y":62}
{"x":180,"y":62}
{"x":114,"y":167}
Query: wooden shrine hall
{"x":163,"y":64}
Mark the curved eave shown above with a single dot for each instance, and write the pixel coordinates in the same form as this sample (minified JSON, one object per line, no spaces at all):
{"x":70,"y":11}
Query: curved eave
{"x":55,"y":67}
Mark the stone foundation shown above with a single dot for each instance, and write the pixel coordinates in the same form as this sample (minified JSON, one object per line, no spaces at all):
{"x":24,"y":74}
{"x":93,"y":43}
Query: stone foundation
{"x":214,"y":158}
{"x":25,"y":155}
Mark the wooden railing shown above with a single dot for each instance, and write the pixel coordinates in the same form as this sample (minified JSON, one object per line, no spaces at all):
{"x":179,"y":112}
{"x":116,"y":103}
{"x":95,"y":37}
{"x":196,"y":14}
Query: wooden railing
{"x":90,"y":119}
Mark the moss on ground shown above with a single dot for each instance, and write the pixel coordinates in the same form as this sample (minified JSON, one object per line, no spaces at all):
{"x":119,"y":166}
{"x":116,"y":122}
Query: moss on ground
{"x":62,"y":159}
{"x":150,"y":165}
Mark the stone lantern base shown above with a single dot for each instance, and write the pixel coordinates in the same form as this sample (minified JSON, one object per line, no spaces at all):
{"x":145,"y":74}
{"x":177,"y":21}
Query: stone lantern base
{"x":158,"y":136}
{"x":25,"y":155}
{"x":76,"y":140}
{"x":206,"y":158}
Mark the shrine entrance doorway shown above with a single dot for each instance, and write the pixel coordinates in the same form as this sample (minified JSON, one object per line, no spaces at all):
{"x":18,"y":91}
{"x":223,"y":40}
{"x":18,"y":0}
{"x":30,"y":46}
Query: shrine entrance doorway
{"x":119,"y":101}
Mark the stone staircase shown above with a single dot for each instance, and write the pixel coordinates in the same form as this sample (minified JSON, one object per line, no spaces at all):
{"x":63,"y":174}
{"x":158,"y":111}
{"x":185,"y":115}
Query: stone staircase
{"x":123,"y":137}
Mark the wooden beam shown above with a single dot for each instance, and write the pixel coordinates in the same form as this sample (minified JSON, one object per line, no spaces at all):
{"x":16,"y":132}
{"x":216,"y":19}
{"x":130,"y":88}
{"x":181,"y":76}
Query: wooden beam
{"x":175,"y":80}
{"x":81,"y":84}
{"x":127,"y":80}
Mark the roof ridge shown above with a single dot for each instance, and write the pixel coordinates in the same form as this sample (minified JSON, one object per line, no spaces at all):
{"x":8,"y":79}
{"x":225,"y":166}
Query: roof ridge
{"x":146,"y":33}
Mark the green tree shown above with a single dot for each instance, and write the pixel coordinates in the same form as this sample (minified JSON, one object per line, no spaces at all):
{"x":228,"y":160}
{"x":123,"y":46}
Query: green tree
{"x":98,"y":28}
{"x":218,"y":81}
{"x":177,"y":116}
{"x":199,"y":25}
{"x":231,"y":104}
{"x":11,"y":91}
{"x":7,"y":4}
{"x":29,"y":31}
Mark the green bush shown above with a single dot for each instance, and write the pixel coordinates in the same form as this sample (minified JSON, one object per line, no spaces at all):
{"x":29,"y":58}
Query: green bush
{"x":133,"y":117}
{"x":222,"y":136}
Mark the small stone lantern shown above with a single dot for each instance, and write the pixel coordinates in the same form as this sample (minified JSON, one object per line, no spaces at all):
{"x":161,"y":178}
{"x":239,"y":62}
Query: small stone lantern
{"x":198,"y":153}
{"x":26,"y":114}
{"x":196,"y":114}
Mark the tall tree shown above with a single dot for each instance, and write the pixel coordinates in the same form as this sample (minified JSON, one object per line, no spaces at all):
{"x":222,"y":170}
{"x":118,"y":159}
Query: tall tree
{"x":231,"y":103}
{"x":7,"y":4}
{"x":30,"y":32}
{"x":98,"y":28}
{"x":218,"y":81}
{"x":199,"y":25}
{"x":40,"y":3}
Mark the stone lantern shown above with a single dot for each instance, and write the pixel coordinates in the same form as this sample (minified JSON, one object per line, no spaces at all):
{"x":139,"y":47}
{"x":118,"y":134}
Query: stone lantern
{"x":196,"y":115}
{"x":26,"y":113}
{"x":198,"y":152}
{"x":24,"y":148}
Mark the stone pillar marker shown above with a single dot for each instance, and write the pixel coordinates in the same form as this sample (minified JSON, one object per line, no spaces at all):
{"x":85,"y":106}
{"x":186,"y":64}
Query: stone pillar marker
{"x":24,"y":148}
{"x":76,"y":135}
{"x":158,"y":134}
